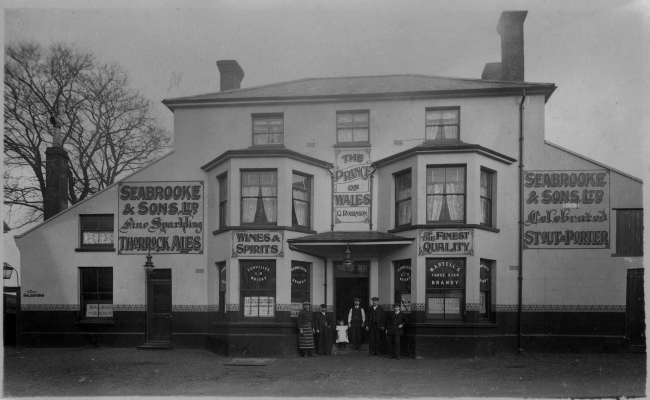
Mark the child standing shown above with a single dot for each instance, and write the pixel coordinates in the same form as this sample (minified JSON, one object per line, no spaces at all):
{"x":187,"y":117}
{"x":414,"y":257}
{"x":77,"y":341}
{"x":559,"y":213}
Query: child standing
{"x":342,"y":334}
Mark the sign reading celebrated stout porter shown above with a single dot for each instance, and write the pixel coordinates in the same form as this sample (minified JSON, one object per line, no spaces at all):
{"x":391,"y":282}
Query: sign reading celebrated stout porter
{"x":257,"y":243}
{"x":352,"y":186}
{"x":446,"y":242}
{"x":164,"y":217}
{"x":566,"y":209}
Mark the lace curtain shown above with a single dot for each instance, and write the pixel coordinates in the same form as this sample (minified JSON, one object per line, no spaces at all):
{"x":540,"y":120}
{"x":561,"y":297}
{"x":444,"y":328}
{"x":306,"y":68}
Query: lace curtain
{"x":301,"y":207}
{"x":445,"y":194}
{"x":259,"y":197}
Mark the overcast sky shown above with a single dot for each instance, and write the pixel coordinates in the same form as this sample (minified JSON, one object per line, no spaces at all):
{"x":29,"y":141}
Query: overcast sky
{"x":592,"y":50}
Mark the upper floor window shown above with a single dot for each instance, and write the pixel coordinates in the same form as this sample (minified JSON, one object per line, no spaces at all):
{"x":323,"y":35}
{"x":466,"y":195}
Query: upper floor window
{"x":486,"y":197}
{"x":446,"y":194}
{"x":97,"y":231}
{"x":353,"y":126}
{"x":301,"y":200}
{"x":96,"y":292}
{"x":268,"y":129}
{"x":259,"y":197}
{"x":403,"y":185}
{"x":629,"y":232}
{"x":223,"y":200}
{"x":442,"y":123}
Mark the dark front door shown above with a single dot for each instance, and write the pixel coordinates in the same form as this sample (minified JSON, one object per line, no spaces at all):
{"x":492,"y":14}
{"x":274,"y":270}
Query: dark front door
{"x":159,"y":308}
{"x":10,"y":309}
{"x":635,"y":306}
{"x":346,"y":290}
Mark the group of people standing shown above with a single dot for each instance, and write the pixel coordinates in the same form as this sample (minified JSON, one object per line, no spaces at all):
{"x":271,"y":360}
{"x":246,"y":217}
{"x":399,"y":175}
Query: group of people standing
{"x":315,"y":331}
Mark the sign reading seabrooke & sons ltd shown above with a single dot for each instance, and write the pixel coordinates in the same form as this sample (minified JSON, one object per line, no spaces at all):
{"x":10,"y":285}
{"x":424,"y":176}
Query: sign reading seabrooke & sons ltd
{"x":164,"y":217}
{"x":566,"y":209}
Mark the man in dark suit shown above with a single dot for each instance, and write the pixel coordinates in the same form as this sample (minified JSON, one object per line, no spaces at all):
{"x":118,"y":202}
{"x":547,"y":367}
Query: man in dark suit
{"x":323,"y":328}
{"x":395,"y":329}
{"x":376,"y":319}
{"x":356,"y":320}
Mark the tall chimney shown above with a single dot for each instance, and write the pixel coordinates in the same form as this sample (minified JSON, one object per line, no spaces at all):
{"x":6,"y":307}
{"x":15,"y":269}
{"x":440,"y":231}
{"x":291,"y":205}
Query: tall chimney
{"x":231,"y":74}
{"x":56,"y":175}
{"x":511,"y":67}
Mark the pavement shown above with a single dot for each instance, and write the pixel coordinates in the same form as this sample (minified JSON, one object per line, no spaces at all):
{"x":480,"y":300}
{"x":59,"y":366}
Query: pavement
{"x":32,"y":372}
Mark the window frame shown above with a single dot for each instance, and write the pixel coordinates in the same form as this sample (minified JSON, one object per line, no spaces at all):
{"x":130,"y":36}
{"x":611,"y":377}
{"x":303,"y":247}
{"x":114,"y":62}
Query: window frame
{"x":433,"y":166}
{"x":308,"y":267}
{"x":222,"y":287}
{"x":83,"y":245}
{"x":492,"y":204}
{"x":309,"y":201}
{"x":434,"y":292}
{"x":426,"y":125}
{"x":243,"y":292}
{"x":622,"y":248}
{"x":83,"y":303}
{"x":352,"y":143}
{"x":267,"y":116}
{"x":397,"y":264}
{"x":222,"y":199}
{"x":241,"y":199}
{"x":487,"y":289}
{"x":397,"y":176}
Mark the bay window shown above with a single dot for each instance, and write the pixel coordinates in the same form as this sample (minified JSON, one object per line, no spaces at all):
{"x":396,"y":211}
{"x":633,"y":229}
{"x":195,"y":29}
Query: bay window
{"x":446,"y":194}
{"x":259,"y":197}
{"x":403,"y":211}
{"x":301,"y":200}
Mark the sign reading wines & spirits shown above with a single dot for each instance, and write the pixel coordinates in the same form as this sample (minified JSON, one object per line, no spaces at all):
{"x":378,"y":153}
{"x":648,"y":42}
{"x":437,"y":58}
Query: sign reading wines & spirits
{"x":164,"y":217}
{"x":257,"y":243}
{"x":566,"y":209}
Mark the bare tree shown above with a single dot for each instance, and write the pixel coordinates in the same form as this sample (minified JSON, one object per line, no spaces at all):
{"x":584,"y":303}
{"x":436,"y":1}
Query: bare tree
{"x":107,"y":128}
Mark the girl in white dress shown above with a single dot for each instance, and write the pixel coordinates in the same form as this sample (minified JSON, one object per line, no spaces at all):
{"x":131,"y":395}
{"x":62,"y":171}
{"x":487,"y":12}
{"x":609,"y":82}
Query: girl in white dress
{"x":341,"y":334}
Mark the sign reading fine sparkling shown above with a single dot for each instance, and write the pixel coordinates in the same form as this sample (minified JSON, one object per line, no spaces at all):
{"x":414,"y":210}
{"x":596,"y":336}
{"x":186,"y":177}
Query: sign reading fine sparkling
{"x":161,"y":217}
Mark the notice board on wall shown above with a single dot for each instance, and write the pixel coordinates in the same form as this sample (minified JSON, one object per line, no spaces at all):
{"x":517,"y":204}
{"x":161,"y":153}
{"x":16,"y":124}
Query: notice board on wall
{"x":566,"y":209}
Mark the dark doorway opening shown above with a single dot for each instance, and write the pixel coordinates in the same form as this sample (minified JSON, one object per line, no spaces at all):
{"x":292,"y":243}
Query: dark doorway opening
{"x":635,"y":315}
{"x":346,"y":290}
{"x":10,"y":310}
{"x":159,"y":306}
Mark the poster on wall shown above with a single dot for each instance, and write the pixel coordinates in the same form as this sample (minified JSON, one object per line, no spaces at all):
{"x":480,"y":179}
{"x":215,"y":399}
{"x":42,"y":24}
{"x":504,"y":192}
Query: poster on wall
{"x":257,"y":243}
{"x":446,"y":242}
{"x":566,"y":209}
{"x":352,"y":188}
{"x":164,"y":217}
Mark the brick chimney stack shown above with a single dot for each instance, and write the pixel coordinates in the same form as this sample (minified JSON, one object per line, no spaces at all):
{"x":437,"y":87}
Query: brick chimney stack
{"x":56,"y":175}
{"x":231,"y":74}
{"x":511,"y":67}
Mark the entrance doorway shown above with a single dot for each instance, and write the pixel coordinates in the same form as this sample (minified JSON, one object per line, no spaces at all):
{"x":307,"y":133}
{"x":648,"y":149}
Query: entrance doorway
{"x":159,"y":306}
{"x":10,"y":310}
{"x":635,"y":315}
{"x":350,"y":283}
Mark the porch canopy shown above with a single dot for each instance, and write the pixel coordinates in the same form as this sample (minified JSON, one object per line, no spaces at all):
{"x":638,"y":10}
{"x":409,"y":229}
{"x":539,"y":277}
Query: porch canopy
{"x":362,"y":244}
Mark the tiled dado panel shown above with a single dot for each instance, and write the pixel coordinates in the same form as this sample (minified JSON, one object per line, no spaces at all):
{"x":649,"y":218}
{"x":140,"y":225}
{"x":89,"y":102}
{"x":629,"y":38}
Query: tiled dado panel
{"x":558,"y":308}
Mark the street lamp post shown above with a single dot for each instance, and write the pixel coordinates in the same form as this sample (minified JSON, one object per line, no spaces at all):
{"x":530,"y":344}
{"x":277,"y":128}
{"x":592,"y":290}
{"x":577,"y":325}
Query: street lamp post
{"x":148,"y":267}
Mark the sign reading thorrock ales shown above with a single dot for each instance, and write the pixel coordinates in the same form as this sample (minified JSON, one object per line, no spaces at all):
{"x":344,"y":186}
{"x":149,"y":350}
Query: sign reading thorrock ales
{"x":164,"y":217}
{"x":566,"y":209}
{"x":352,"y":179}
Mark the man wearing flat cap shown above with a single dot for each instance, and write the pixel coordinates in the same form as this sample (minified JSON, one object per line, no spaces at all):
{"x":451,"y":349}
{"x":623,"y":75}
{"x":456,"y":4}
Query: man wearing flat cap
{"x":395,"y":329}
{"x":323,"y":332}
{"x":376,"y":324}
{"x":306,"y":330}
{"x":356,"y":320}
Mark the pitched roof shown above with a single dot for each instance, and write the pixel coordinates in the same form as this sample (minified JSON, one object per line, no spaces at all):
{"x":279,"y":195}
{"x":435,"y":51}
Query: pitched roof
{"x":364,"y":86}
{"x":351,"y":237}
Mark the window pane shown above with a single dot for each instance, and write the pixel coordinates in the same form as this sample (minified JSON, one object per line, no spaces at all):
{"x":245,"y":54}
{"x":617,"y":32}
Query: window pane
{"x":404,"y":212}
{"x":450,"y":117}
{"x":485,"y":276}
{"x":276,"y":138}
{"x":455,"y":179}
{"x":106,"y":237}
{"x":345,"y":135}
{"x":486,"y":212}
{"x":403,"y":187}
{"x":261,"y":139}
{"x":344,"y":120}
{"x":485,"y":184}
{"x":276,"y":125}
{"x":88,"y":280}
{"x":90,"y":238}
{"x":433,"y":133}
{"x":360,"y":120}
{"x":434,"y":117}
{"x":456,"y":207}
{"x":360,"y":135}
{"x":260,"y":125}
{"x":105,"y":280}
{"x":449,"y":132}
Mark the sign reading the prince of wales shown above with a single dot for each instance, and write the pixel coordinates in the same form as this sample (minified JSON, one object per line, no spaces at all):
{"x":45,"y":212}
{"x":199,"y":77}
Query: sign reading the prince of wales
{"x":352,"y":187}
{"x":164,"y":217}
{"x":446,"y":242}
{"x":566,"y":209}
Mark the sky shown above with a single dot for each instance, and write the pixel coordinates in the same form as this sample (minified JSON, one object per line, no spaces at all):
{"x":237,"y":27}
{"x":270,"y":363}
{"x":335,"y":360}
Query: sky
{"x":594,"y":51}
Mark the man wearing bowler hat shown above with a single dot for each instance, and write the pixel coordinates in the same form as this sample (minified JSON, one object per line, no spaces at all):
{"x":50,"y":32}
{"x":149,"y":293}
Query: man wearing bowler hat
{"x":356,"y":319}
{"x":395,"y":329}
{"x":323,"y":329}
{"x":376,"y":324}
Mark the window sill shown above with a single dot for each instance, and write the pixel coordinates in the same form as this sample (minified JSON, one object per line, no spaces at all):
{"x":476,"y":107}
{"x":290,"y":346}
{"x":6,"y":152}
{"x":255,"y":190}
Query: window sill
{"x":94,"y":250}
{"x":444,"y":226}
{"x":263,"y":227}
{"x":88,"y":322}
{"x":442,"y":142}
{"x":627,"y":255}
{"x":268,"y":146}
{"x":352,"y":144}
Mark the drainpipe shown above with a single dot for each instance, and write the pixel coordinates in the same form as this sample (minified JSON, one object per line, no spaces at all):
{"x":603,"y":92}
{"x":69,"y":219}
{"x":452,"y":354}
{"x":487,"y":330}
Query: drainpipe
{"x":293,"y":248}
{"x":521,"y":216}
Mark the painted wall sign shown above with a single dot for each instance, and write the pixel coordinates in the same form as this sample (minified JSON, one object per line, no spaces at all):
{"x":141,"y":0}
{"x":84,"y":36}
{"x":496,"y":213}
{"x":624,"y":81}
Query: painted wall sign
{"x":446,"y":242}
{"x":352,"y":187}
{"x":566,"y":209}
{"x":257,"y":243}
{"x":32,"y":293}
{"x":164,"y":217}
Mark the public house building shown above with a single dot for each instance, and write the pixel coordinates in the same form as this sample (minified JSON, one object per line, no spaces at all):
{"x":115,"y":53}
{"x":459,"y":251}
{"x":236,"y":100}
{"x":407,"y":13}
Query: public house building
{"x":437,"y":193}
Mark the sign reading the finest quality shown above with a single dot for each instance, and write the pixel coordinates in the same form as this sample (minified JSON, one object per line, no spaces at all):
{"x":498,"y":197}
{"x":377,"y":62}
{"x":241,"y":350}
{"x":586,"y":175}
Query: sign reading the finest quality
{"x":257,"y":243}
{"x":446,"y":242}
{"x":352,"y":189}
{"x":164,"y":217}
{"x":566,"y":209}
